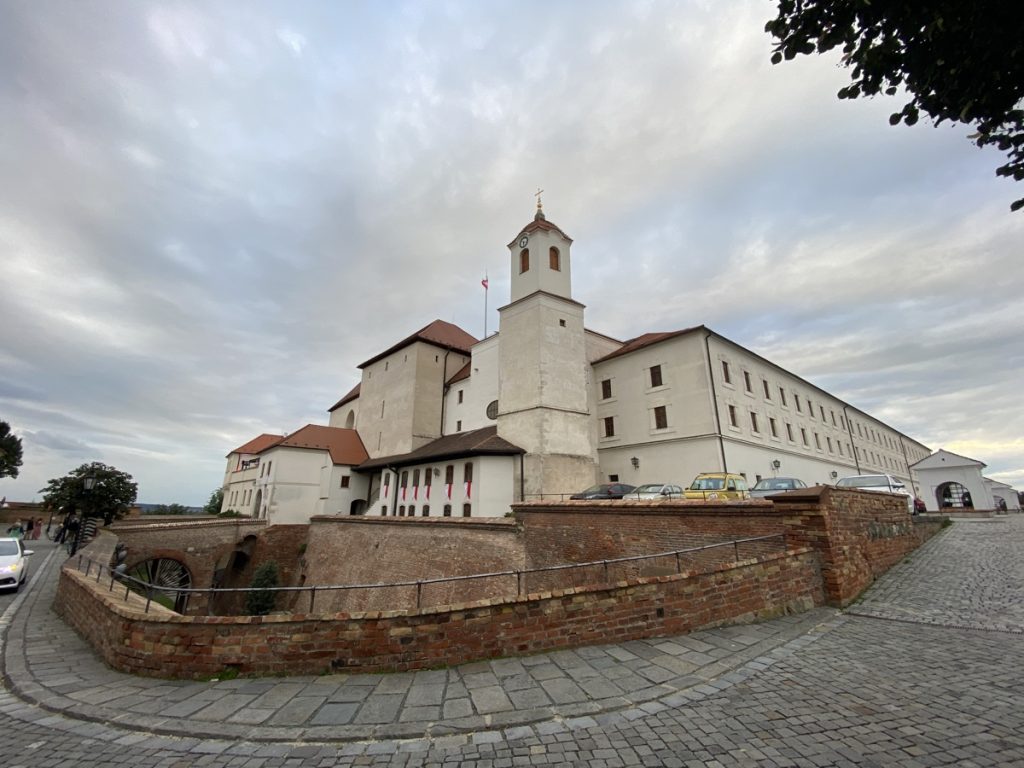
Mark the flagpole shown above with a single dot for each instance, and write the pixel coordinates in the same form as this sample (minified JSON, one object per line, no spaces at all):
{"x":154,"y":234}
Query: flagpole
{"x":487,"y":288}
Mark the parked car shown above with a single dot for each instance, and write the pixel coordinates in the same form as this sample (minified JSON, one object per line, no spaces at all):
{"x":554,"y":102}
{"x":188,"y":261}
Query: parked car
{"x":771,"y":485}
{"x":919,"y":506}
{"x":655,"y":491}
{"x":604,"y":491}
{"x":13,"y":565}
{"x":884,"y":483}
{"x":718,"y":485}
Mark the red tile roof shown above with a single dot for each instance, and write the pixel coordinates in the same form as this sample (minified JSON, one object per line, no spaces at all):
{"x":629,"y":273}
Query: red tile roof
{"x":645,"y":340}
{"x":352,"y":395}
{"x":258,"y":444}
{"x":459,"y":375}
{"x":344,"y":445}
{"x":539,"y":222}
{"x":439,"y":333}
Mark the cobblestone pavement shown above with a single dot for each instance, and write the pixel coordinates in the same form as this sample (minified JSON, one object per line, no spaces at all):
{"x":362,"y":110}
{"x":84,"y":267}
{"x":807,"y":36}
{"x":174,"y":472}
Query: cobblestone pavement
{"x":854,"y":690}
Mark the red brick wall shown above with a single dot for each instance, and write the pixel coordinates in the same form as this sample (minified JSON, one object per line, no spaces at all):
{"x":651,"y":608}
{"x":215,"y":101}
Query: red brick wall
{"x":162,"y":644}
{"x":282,"y":544}
{"x":859,"y":535}
{"x":373,"y":549}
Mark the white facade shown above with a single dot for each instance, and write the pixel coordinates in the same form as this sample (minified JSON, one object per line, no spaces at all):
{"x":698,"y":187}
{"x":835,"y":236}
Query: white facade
{"x":1005,"y":492}
{"x":942,"y":475}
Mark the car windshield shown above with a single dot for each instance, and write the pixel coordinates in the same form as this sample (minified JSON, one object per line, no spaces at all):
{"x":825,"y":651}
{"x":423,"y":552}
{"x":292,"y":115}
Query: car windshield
{"x":8,"y":548}
{"x":649,"y":488}
{"x":595,"y":489}
{"x":865,"y":481}
{"x":708,"y":484}
{"x":774,"y":484}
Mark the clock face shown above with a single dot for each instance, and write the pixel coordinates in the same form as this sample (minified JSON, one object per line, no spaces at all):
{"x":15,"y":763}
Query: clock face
{"x":523,"y":241}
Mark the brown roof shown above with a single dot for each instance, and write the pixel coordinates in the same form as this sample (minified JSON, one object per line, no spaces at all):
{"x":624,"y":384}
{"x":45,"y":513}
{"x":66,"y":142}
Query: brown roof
{"x":258,"y":444}
{"x":459,"y":375}
{"x":344,"y":445}
{"x":352,"y":395}
{"x":645,"y":341}
{"x":439,"y":333}
{"x":484,"y":441}
{"x":540,"y":222}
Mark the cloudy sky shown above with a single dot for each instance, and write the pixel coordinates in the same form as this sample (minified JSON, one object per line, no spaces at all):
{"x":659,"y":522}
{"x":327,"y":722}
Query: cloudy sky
{"x":210,"y":213}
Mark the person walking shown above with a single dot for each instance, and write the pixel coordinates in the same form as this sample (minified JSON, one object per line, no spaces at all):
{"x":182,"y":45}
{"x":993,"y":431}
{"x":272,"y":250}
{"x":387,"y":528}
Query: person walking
{"x":39,"y":527}
{"x":30,"y":527}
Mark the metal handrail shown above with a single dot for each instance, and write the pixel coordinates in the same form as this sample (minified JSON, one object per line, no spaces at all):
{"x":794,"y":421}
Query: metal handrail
{"x":150,"y":589}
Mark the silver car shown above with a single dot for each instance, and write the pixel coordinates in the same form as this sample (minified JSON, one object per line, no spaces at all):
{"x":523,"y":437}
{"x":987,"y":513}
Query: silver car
{"x":884,"y":483}
{"x":13,"y":565}
{"x":655,"y":491}
{"x":768,"y":486}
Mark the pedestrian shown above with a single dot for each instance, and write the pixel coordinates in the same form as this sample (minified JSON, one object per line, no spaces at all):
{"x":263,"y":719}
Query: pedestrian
{"x":30,"y":528}
{"x":39,"y":527}
{"x":967,"y":500}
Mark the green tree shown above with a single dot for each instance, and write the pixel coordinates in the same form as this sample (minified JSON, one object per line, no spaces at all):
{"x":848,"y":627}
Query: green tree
{"x":957,"y":61}
{"x":215,"y":503}
{"x":170,"y":509}
{"x":111,"y":497}
{"x":10,"y":451}
{"x":261,"y":600}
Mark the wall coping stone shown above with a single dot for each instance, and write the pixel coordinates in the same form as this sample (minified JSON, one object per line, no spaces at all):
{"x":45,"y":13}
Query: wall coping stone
{"x":484,"y":523}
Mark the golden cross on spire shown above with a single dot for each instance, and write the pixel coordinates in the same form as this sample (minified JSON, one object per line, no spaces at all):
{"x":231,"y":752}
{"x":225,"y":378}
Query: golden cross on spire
{"x":537,"y":194}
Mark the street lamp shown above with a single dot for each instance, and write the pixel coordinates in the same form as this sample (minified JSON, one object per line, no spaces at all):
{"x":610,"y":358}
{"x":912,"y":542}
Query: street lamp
{"x":635,"y":462}
{"x":88,"y":483}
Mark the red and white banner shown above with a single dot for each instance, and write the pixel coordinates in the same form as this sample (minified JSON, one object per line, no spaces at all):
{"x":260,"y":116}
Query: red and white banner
{"x":386,"y":487}
{"x":415,"y":492}
{"x":448,"y":491}
{"x":469,"y":489}
{"x":427,"y":493}
{"x":403,"y":493}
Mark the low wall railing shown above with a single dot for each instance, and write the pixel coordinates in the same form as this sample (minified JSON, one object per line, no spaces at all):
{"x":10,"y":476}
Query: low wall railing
{"x":751,"y":547}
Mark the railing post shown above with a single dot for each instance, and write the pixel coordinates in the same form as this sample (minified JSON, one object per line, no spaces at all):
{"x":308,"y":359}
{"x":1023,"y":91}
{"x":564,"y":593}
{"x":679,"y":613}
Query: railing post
{"x":419,"y":594}
{"x":149,"y":596}
{"x":519,"y":583}
{"x":679,"y":562}
{"x":88,"y":564}
{"x":606,"y":578}
{"x":736,"y":551}
{"x":312,"y":597}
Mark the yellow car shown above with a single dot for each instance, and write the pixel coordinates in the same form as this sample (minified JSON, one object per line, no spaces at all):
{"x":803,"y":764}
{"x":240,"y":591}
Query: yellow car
{"x":717,"y":485}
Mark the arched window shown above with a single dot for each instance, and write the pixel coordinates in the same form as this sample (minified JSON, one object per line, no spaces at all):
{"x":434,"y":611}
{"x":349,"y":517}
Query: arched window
{"x":350,"y":420}
{"x":426,"y":510}
{"x":555,"y":259}
{"x":447,"y":510}
{"x":466,"y":509}
{"x":524,"y":260}
{"x":401,"y":511}
{"x":412,"y":510}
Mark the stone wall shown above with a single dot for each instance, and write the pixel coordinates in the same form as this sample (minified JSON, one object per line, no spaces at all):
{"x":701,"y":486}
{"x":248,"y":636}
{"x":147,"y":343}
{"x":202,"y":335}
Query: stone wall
{"x":372,"y":549}
{"x":163,"y":644}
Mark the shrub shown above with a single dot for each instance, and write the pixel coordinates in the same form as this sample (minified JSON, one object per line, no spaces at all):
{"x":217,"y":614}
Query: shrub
{"x":261,"y":600}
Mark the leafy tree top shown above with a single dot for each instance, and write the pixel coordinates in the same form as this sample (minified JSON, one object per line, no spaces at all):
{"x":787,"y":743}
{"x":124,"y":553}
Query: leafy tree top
{"x":10,"y":451}
{"x":958,"y":61}
{"x":113,"y":494}
{"x":215,"y":503}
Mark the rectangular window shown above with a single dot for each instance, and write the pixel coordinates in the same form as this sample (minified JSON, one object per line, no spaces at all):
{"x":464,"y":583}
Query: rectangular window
{"x":803,"y":434}
{"x":767,"y":389}
{"x":773,"y":427}
{"x":655,"y":375}
{"x":382,"y":409}
{"x":782,"y":395}
{"x":660,"y":417}
{"x":839,"y":445}
{"x":810,"y":409}
{"x":833,"y":418}
{"x":405,"y":480}
{"x":817,"y":441}
{"x":447,"y":510}
{"x":449,"y":474}
{"x":859,"y":432}
{"x":822,"y":409}
{"x":613,"y":478}
{"x":458,"y":425}
{"x":842,"y":420}
{"x":554,"y":260}
{"x":746,"y":382}
{"x":609,"y":426}
{"x":426,"y":510}
{"x":789,"y":432}
{"x":726,"y":377}
{"x":467,"y":472}
{"x":460,"y":396}
{"x":796,"y":401}
{"x":401,"y":511}
{"x":753,"y":422}
{"x":384,"y":509}
{"x":524,"y":260}
{"x":606,"y":389}
{"x":344,"y":481}
{"x":415,"y":478}
{"x":733,"y":421}
{"x":466,"y":510}
{"x":269,"y":465}
{"x":828,"y":441}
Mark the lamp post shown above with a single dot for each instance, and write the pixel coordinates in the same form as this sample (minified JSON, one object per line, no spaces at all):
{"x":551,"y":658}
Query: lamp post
{"x":88,"y":483}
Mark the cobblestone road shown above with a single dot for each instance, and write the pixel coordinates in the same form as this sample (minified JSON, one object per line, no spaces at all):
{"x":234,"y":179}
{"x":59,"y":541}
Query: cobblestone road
{"x":855,"y":690}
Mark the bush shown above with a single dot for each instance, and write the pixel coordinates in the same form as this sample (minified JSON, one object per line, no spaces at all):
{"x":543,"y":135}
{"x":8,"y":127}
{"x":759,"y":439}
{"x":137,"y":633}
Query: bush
{"x":261,"y":600}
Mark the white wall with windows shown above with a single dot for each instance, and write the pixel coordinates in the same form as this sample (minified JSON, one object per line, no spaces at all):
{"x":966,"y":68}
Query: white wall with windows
{"x":477,"y":486}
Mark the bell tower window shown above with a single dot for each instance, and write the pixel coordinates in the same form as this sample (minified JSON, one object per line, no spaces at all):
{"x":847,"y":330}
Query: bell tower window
{"x":555,"y":259}
{"x":524,"y":260}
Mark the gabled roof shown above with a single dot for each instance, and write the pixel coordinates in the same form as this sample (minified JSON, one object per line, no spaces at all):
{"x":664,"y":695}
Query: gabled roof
{"x":352,"y":395}
{"x":459,"y":375}
{"x":344,"y":445}
{"x":476,"y":442}
{"x":258,"y":444}
{"x":539,"y":222}
{"x":645,"y":340}
{"x":944,"y":458}
{"x":439,"y":333}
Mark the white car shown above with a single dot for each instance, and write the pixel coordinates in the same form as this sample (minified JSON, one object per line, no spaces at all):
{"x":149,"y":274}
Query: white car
{"x":13,"y":565}
{"x":885,"y":483}
{"x":655,"y":491}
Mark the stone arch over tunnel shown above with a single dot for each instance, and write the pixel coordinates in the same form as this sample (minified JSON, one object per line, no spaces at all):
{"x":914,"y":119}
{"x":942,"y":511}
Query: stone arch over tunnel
{"x":953,"y":494}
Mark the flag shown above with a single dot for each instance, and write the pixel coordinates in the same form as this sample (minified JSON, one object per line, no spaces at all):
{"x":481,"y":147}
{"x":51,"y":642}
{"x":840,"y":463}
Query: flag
{"x":469,"y":489}
{"x":484,"y":283}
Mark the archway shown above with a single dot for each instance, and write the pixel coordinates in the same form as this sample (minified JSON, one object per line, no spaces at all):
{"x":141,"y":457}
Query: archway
{"x":953,"y":494}
{"x":165,"y":576}
{"x":357,"y":507}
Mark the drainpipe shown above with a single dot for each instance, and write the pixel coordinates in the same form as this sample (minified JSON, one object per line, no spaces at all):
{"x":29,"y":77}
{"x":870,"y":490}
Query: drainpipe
{"x":714,"y":402}
{"x":853,"y":443}
{"x":906,"y":461}
{"x":444,"y":388}
{"x":522,"y":478}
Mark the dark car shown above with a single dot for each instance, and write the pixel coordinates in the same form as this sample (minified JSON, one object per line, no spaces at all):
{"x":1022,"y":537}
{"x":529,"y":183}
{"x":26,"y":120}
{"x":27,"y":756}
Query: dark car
{"x":772,"y":485}
{"x":604,"y":491}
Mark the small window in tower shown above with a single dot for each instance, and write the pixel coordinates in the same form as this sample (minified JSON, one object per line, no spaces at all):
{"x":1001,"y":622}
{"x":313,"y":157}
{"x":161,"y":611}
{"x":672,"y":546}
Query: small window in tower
{"x":561,"y":323}
{"x":606,"y":389}
{"x":609,"y":426}
{"x":613,"y":478}
{"x":661,"y":417}
{"x":524,"y":260}
{"x":458,"y":426}
{"x":655,"y":375}
{"x":344,"y":481}
{"x":555,"y":259}
{"x":460,"y":396}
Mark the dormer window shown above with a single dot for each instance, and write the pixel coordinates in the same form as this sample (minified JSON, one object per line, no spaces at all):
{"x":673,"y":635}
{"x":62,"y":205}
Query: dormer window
{"x":524,"y":260}
{"x":555,"y":259}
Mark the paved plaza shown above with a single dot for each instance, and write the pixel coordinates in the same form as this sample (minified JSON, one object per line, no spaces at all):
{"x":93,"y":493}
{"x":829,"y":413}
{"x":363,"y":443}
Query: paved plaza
{"x":926,"y":669}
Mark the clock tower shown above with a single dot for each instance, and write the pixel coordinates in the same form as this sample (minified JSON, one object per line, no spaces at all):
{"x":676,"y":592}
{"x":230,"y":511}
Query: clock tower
{"x":543,"y":373}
